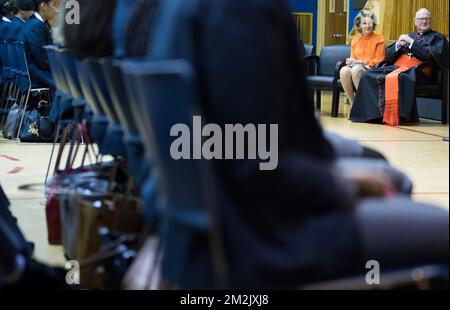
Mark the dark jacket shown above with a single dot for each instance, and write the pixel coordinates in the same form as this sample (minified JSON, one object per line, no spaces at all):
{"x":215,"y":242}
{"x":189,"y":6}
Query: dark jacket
{"x":433,"y":48}
{"x":291,"y":225}
{"x":36,"y":35}
{"x":15,"y":31}
{"x":4,"y":29}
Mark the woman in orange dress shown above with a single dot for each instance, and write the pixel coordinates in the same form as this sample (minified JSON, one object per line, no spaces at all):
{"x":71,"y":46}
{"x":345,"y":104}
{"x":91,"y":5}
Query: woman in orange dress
{"x":367,"y":51}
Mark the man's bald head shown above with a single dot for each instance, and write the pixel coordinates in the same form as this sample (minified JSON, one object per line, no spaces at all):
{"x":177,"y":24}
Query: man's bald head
{"x":423,"y":20}
{"x":423,"y":12}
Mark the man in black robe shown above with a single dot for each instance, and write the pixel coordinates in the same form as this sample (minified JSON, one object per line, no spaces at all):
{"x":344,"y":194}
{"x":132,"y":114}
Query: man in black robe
{"x":425,"y":45}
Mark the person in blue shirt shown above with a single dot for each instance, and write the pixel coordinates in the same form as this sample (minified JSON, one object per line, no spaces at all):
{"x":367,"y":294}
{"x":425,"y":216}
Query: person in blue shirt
{"x":5,"y":22}
{"x":36,"y":34}
{"x":24,"y":10}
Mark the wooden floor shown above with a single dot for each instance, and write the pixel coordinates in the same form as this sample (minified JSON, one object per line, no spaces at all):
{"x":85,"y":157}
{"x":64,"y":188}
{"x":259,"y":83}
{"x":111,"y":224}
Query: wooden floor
{"x":419,"y":151}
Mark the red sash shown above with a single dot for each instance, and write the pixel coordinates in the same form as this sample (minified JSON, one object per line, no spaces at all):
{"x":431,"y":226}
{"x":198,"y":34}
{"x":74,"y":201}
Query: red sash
{"x":391,"y":116}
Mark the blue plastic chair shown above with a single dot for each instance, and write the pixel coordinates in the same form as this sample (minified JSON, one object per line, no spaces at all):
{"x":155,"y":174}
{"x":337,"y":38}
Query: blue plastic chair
{"x":87,"y":87}
{"x":138,"y":166}
{"x":67,"y":63}
{"x":99,"y":122}
{"x":57,"y":73}
{"x":113,"y":140}
{"x":101,"y":89}
{"x":116,"y":87}
{"x":63,"y":95}
{"x":10,"y":91}
{"x":193,"y":247}
{"x":23,"y":79}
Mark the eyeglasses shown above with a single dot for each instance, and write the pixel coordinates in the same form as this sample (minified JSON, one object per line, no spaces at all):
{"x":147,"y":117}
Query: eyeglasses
{"x":423,"y":19}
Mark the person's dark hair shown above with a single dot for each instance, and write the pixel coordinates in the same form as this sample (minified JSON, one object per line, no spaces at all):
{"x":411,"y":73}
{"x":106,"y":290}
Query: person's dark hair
{"x":140,"y":27}
{"x":93,"y":36}
{"x":24,"y":5}
{"x":37,"y":3}
{"x":6,"y":8}
{"x":365,"y":13}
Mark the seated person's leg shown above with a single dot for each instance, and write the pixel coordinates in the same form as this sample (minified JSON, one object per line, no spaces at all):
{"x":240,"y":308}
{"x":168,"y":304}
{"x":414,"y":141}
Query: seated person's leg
{"x":370,"y":153}
{"x":357,"y":73}
{"x":400,"y":233}
{"x":347,"y":84}
{"x":351,"y":148}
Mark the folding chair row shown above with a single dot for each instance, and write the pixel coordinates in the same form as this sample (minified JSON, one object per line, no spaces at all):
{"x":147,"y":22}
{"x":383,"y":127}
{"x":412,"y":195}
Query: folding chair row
{"x":99,"y":84}
{"x":14,"y":77}
{"x":16,"y":81}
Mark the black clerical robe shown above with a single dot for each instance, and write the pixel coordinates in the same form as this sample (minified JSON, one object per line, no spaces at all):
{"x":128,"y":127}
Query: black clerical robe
{"x":430,"y":48}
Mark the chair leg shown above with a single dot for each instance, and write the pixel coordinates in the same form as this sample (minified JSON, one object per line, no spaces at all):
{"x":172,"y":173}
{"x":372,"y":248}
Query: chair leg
{"x":335,"y":103}
{"x":444,"y":111}
{"x":27,"y":97}
{"x":319,"y":99}
{"x":55,"y":141}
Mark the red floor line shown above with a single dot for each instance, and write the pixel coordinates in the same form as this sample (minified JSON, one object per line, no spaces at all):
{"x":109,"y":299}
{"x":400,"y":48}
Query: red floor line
{"x":422,"y":132}
{"x":398,"y":140}
{"x":16,"y":170}
{"x":9,"y":158}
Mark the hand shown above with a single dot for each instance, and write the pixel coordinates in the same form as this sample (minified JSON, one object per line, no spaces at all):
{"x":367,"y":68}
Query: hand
{"x":370,"y":184}
{"x":405,"y":39}
{"x":350,"y":61}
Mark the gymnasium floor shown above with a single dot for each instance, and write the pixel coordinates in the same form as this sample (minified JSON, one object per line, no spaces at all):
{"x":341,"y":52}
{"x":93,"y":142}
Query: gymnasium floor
{"x":419,"y":151}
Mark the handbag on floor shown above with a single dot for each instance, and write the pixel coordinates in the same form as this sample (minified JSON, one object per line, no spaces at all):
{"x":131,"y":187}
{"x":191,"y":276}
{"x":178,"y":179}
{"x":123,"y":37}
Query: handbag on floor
{"x":36,"y":128}
{"x":58,"y":185}
{"x":12,"y":122}
{"x":116,"y":214}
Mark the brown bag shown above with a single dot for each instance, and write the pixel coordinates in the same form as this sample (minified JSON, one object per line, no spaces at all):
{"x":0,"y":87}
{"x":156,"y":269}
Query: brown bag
{"x":114,"y":212}
{"x":60,"y":179}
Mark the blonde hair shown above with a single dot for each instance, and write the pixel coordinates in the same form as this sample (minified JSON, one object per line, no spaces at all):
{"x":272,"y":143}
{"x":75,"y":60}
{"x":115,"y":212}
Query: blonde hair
{"x":365,"y":13}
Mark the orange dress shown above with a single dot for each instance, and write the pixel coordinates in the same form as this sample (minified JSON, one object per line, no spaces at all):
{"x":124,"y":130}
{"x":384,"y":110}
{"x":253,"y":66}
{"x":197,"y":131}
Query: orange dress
{"x":369,"y":48}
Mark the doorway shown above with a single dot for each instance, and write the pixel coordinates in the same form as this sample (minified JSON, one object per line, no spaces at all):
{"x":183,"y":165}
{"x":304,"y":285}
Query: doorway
{"x":332,"y":22}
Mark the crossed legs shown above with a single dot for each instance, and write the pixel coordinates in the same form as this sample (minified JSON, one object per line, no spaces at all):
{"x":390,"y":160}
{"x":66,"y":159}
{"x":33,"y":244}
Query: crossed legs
{"x":350,"y":78}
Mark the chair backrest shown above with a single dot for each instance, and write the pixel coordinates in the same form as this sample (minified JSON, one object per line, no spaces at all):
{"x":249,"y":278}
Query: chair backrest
{"x":20,"y":65}
{"x":4,"y":58}
{"x":118,"y":93}
{"x":329,"y":57}
{"x":57,"y":73}
{"x":101,"y":90}
{"x":13,"y":61}
{"x":67,"y":61}
{"x":310,"y":50}
{"x":87,"y":88}
{"x":167,"y":94}
{"x":137,"y":106}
